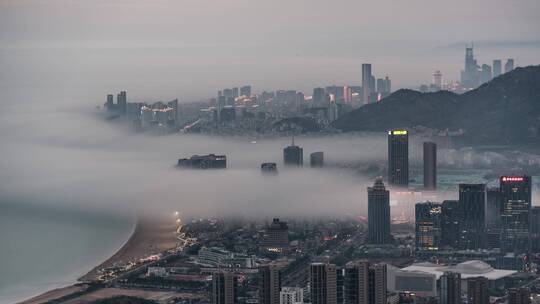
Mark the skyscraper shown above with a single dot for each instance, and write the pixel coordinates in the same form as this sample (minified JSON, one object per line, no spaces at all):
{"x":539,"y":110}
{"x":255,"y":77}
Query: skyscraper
{"x":293,"y":155}
{"x":509,"y":65}
{"x":317,"y":159}
{"x":472,"y":209}
{"x":430,"y":165}
{"x":450,"y":217}
{"x":477,"y":290}
{"x":365,"y":283}
{"x":276,"y":238}
{"x":485,"y":74}
{"x":428,"y":226}
{"x":516,"y":206}
{"x":121,"y":99}
{"x":378,"y":213}
{"x":323,"y":283}
{"x":398,"y":158}
{"x":366,"y":82}
{"x":245,"y":91}
{"x":497,"y":68}
{"x":535,"y":229}
{"x":110,"y":102}
{"x":519,"y":295}
{"x":224,"y":288}
{"x":269,"y":284}
{"x":469,"y":76}
{"x":319,"y":96}
{"x":450,"y":292}
{"x":291,"y":295}
{"x":437,"y":79}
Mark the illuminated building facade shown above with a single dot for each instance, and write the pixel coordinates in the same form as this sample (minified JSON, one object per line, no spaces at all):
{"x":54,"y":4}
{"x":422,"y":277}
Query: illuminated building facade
{"x":516,"y":206}
{"x":428,"y":226}
{"x":398,"y":158}
{"x":276,"y":238}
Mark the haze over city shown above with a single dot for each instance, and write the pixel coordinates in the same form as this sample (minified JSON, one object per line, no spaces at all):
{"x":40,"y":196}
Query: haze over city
{"x":269,"y":152}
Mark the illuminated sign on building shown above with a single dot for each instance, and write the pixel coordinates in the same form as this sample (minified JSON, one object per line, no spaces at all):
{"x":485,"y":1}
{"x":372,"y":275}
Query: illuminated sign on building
{"x":397,"y":132}
{"x":512,"y":178}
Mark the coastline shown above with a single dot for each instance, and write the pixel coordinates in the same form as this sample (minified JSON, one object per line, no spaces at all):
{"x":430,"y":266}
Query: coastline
{"x":149,"y":236}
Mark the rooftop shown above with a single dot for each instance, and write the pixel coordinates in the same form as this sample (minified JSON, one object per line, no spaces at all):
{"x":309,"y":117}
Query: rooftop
{"x":468,"y":269}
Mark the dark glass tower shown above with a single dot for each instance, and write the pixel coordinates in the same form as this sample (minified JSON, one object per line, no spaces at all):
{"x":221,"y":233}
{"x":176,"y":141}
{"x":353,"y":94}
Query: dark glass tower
{"x":378,"y":213}
{"x":365,"y":283}
{"x":450,"y":292}
{"x":472,"y":209}
{"x":515,"y":214}
{"x":477,"y":290}
{"x":430,"y":166}
{"x":450,"y":224}
{"x":398,"y":158}
{"x":323,"y":283}
{"x":293,"y":155}
{"x":224,"y":288}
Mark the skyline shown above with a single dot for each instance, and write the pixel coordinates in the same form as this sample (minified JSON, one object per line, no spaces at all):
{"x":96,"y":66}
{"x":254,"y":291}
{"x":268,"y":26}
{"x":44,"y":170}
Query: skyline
{"x":189,"y":51}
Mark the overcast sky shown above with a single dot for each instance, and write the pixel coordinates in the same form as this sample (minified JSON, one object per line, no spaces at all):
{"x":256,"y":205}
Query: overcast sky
{"x":189,"y":49}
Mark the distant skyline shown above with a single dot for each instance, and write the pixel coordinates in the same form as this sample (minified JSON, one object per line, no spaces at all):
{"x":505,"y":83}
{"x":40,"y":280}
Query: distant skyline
{"x":190,"y":49}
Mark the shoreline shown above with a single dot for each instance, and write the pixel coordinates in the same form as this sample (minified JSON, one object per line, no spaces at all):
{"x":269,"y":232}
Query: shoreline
{"x":149,"y":236}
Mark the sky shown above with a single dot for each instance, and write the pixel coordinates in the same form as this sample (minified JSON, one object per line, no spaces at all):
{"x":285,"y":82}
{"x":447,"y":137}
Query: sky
{"x":190,"y":49}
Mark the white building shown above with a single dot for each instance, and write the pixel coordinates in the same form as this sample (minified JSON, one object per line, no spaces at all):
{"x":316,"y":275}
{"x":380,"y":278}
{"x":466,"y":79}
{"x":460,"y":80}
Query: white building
{"x":291,"y":295}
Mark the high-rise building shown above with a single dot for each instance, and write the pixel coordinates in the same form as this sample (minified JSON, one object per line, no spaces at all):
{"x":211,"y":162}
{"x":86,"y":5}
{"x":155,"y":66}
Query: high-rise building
{"x":450,"y":217}
{"x":269,"y":284}
{"x":477,"y":290}
{"x":535,"y":229}
{"x":366,"y":82}
{"x":224,"y":288}
{"x":430,"y":165}
{"x":291,"y":295}
{"x":428,"y":226}
{"x":509,"y":65}
{"x":520,"y":295}
{"x":450,"y":292}
{"x":323,"y":283}
{"x":497,"y":68}
{"x":276,"y":238}
{"x":293,"y":155}
{"x":398,"y":158}
{"x":319,"y":96}
{"x":110,"y":102}
{"x":365,"y":283}
{"x":469,"y":76}
{"x":472,"y":209}
{"x":121,"y":99}
{"x":245,"y":91}
{"x":235,"y":92}
{"x":493,"y":208}
{"x":437,"y":79}
{"x":516,"y":206}
{"x":485,"y":74}
{"x":378,"y":213}
{"x":317,"y":159}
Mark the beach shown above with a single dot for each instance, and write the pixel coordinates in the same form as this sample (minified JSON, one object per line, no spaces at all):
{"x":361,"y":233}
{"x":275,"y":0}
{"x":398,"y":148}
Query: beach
{"x":151,"y":236}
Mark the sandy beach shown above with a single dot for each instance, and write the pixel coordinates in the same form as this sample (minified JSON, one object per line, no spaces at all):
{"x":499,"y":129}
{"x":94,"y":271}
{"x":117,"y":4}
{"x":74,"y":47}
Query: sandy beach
{"x":150,"y":236}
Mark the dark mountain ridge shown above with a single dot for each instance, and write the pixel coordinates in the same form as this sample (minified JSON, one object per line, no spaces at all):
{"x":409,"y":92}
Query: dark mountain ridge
{"x":505,"y":110}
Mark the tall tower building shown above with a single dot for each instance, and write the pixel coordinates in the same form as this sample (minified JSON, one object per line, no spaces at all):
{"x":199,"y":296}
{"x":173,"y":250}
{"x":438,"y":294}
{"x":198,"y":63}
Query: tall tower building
{"x":323,"y":283}
{"x":469,"y":76}
{"x":245,"y":91}
{"x":472,"y":209}
{"x":319,"y":96}
{"x":110,"y":102}
{"x":509,"y":65}
{"x":121,"y":99}
{"x":293,"y":155}
{"x":497,"y":68}
{"x":535,"y":229}
{"x":317,"y":159}
{"x":485,"y":74}
{"x":365,"y":283}
{"x":515,"y":216}
{"x":366,"y":82}
{"x":224,"y":288}
{"x":477,"y":290}
{"x":428,"y":226}
{"x":450,"y":292}
{"x":437,"y":79}
{"x":269,"y":284}
{"x":430,"y":165}
{"x":450,"y":217}
{"x":398,"y":158}
{"x":276,"y":238}
{"x":378,"y":213}
{"x":520,"y":295}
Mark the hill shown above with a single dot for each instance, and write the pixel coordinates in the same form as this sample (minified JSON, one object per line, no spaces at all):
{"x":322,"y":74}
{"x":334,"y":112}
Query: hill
{"x":505,"y":110}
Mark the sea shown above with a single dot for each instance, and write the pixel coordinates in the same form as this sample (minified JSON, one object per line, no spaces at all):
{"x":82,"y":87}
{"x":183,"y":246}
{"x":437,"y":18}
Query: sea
{"x":43,"y":247}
